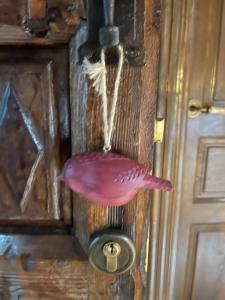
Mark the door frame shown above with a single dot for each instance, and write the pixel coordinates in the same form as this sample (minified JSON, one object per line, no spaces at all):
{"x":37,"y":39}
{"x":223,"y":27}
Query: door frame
{"x":172,"y":106}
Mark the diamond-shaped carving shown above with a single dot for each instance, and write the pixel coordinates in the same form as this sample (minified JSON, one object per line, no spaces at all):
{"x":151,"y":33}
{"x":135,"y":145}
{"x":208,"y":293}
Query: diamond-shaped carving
{"x":20,"y":152}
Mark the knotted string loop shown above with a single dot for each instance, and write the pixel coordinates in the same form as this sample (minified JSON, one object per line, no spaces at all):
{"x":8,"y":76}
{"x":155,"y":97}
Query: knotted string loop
{"x":97,"y":73}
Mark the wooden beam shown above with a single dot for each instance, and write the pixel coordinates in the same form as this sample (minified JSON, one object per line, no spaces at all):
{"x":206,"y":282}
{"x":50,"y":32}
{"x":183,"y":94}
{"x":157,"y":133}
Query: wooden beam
{"x":37,"y":19}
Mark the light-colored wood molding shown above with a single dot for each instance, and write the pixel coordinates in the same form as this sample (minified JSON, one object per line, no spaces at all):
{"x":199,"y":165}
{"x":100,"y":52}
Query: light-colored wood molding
{"x":171,"y":103}
{"x":155,"y":256}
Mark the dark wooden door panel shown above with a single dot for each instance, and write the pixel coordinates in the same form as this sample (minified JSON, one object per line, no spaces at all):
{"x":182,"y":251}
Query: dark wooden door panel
{"x":132,"y":137}
{"x":34,"y":134}
{"x":35,"y":142}
{"x":63,"y":17}
{"x":42,"y":267}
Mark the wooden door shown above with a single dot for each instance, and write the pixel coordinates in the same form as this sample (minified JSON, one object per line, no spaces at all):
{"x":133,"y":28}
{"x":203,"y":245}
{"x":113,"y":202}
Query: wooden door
{"x":192,"y":227}
{"x":48,"y":111}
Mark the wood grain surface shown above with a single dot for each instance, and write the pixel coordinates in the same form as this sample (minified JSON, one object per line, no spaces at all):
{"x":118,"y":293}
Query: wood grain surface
{"x":133,"y":137}
{"x":34,"y":130}
{"x":63,"y":18}
{"x":34,"y":111}
{"x":42,"y":267}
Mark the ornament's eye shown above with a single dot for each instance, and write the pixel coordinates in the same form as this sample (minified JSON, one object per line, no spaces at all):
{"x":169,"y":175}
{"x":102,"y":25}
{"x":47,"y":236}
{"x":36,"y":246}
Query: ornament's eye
{"x":70,"y":171}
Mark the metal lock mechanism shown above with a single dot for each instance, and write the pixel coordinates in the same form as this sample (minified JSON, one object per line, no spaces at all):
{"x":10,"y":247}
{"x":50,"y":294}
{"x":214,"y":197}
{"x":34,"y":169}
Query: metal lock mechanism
{"x":112,"y":252}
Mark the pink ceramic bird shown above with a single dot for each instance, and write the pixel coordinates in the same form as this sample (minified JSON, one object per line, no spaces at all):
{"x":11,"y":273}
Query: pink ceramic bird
{"x":108,"y":179}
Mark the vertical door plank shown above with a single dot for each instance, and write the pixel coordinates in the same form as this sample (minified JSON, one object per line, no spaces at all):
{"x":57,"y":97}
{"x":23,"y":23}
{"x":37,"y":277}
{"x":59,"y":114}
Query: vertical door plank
{"x":133,"y":137}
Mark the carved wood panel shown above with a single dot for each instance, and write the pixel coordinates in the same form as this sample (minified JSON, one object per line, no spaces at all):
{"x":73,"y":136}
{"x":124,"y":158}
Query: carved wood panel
{"x":31,"y":150}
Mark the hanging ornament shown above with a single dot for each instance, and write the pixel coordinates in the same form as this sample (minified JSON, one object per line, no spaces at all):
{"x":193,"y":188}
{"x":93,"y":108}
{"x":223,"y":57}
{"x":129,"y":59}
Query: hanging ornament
{"x":103,"y":177}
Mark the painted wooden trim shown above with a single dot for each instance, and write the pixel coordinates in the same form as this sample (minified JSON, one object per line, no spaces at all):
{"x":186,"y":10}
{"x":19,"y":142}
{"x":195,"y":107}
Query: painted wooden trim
{"x":171,"y":102}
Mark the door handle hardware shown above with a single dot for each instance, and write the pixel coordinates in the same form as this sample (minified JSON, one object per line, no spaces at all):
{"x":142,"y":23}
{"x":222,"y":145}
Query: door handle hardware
{"x":109,"y":33}
{"x":109,"y":23}
{"x":195,"y":109}
{"x":112,"y":252}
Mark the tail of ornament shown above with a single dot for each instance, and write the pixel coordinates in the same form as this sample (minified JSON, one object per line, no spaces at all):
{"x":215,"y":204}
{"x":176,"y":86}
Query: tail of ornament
{"x":152,"y":183}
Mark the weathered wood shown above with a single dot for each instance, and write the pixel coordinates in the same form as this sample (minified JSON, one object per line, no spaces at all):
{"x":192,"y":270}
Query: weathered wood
{"x":50,"y":267}
{"x":63,"y":18}
{"x":42,"y":267}
{"x":36,"y":9}
{"x":133,"y":137}
{"x":34,"y":134}
{"x":156,"y":248}
{"x":37,"y":16}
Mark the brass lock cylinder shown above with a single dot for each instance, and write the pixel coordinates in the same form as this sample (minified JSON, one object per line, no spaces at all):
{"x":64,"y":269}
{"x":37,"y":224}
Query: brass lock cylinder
{"x":112,"y":252}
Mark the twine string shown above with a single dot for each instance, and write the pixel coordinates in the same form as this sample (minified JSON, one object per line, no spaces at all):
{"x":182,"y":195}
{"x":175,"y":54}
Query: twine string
{"x":97,"y":73}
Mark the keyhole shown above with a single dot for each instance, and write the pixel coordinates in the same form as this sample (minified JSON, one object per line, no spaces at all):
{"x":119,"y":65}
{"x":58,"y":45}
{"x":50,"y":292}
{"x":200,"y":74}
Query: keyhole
{"x":193,"y":108}
{"x":112,"y":248}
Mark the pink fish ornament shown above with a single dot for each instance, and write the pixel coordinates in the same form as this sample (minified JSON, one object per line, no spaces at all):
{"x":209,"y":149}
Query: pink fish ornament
{"x":109,"y":179}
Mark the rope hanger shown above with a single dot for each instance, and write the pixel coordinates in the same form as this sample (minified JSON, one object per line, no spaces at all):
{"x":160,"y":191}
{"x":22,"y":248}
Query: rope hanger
{"x":97,"y":73}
